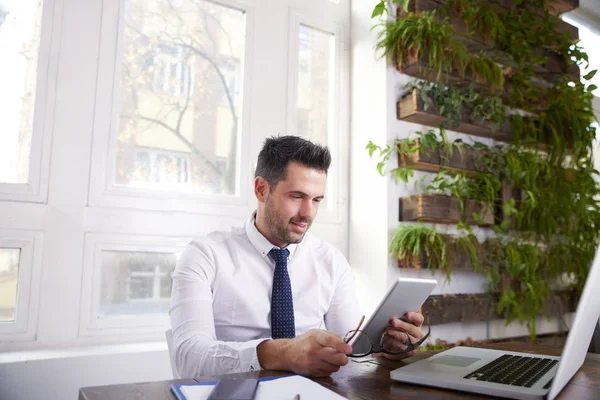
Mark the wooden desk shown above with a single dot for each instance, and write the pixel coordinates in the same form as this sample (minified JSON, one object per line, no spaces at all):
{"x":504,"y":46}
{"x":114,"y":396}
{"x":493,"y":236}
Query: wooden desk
{"x":367,"y":379}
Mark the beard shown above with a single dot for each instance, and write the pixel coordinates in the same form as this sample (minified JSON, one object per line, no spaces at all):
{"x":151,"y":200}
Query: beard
{"x":279,"y":227}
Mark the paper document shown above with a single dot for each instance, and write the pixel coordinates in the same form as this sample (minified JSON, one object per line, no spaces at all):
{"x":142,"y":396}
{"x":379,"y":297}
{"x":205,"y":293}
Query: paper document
{"x":285,"y":388}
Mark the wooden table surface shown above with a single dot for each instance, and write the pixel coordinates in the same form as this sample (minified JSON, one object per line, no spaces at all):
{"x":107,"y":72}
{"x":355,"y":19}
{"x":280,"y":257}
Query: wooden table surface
{"x":367,"y":379}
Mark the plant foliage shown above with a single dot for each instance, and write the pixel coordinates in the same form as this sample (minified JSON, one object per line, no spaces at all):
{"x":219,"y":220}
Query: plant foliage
{"x":549,"y":228}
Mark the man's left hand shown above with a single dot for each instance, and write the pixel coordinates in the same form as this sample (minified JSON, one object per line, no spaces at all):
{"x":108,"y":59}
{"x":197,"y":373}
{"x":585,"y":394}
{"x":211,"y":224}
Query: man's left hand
{"x":400,"y":332}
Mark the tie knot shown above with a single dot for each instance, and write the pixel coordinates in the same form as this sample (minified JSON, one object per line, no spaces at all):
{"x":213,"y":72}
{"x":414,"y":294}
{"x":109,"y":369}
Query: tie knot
{"x":279,"y":255}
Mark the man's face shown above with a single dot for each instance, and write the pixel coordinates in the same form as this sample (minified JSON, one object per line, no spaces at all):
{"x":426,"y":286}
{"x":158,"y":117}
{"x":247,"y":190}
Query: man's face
{"x":292,"y":205}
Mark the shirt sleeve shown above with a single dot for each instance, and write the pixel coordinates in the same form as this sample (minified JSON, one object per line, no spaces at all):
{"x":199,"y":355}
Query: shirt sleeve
{"x":196,"y":350}
{"x":344,"y":312}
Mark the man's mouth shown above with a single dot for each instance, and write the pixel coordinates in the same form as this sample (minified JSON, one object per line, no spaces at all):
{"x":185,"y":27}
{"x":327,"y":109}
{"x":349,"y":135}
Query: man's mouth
{"x":300,"y":225}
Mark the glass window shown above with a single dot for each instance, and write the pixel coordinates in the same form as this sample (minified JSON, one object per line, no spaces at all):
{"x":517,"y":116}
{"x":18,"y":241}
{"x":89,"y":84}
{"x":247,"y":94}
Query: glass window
{"x":20,"y":24}
{"x":161,"y":167}
{"x":9,"y":273}
{"x":181,"y":83}
{"x":135,"y":283}
{"x":316,"y":83}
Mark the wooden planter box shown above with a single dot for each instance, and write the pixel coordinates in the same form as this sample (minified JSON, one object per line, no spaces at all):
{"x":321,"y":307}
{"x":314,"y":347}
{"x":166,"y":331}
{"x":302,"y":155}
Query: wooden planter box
{"x":457,"y":258}
{"x":554,"y":6}
{"x":411,"y":108}
{"x":419,"y":68}
{"x":550,"y":71}
{"x":434,"y":161}
{"x":479,"y":307}
{"x":443,"y":209}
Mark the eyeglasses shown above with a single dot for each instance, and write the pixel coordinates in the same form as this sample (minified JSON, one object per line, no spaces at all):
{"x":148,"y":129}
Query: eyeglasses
{"x":366,"y":347}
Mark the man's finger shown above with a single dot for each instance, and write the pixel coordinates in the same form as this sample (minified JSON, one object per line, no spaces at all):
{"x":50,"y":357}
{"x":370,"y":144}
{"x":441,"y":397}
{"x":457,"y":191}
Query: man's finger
{"x":333,"y":357}
{"x":401,"y":335}
{"x":328,"y":339}
{"x":416,"y":319}
{"x":397,"y":335}
{"x":407,"y":327}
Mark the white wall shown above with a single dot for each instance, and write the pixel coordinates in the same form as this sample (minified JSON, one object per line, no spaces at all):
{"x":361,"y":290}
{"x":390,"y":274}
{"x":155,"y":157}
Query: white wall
{"x":60,"y":374}
{"x":369,"y":213}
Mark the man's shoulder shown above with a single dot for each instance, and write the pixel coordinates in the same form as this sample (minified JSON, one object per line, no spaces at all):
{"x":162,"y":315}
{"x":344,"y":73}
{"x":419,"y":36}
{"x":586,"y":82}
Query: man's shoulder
{"x":320,"y":247}
{"x":218,"y":238}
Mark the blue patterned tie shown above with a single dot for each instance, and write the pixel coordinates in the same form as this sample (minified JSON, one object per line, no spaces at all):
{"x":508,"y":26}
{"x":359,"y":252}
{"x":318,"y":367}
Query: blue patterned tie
{"x":282,"y":302}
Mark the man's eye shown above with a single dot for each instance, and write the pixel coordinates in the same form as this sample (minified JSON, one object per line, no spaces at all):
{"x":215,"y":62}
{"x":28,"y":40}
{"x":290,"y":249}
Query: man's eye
{"x":318,"y":200}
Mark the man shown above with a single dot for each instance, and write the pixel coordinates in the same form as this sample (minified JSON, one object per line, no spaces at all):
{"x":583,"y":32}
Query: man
{"x":269,"y":295}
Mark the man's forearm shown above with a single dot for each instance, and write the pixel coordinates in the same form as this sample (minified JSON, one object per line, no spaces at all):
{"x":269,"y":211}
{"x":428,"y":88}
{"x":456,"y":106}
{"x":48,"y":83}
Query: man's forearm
{"x":272,"y":354}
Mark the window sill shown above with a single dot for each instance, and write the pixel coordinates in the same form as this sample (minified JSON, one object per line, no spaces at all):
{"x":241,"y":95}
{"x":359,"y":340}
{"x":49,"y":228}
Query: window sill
{"x":70,"y":352}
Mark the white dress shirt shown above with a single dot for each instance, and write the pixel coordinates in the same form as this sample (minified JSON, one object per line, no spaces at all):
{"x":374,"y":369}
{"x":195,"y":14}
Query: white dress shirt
{"x":221,"y":298}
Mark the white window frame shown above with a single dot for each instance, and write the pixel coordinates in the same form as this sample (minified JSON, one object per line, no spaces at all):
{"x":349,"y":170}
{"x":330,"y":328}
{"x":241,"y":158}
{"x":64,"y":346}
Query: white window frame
{"x":95,"y":244}
{"x":331,"y":210}
{"x":153,"y":154}
{"x":103,"y":192}
{"x":24,"y":326}
{"x":36,"y":188}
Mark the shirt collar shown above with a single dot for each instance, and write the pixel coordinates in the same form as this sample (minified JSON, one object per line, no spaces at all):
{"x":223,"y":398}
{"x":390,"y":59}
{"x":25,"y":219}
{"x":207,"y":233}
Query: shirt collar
{"x":261,"y":243}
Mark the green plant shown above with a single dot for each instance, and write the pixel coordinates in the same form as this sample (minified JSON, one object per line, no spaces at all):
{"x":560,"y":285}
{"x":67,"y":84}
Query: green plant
{"x":457,"y":104}
{"x":551,"y":227}
{"x":417,"y":35}
{"x":408,"y":241}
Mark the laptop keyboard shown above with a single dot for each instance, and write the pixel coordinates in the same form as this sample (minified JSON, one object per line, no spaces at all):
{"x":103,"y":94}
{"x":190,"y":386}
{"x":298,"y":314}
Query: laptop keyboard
{"x":514,"y":370}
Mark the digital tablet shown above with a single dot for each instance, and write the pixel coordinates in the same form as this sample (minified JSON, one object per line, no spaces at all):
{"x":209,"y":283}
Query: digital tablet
{"x":405,"y":295}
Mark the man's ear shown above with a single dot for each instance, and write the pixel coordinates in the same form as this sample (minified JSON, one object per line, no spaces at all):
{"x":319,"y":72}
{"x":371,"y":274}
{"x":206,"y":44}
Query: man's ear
{"x":261,"y":189}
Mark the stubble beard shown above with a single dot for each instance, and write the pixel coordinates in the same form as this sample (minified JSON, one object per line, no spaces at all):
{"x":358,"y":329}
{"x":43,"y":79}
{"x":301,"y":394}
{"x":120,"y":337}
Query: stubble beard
{"x":278,"y":227}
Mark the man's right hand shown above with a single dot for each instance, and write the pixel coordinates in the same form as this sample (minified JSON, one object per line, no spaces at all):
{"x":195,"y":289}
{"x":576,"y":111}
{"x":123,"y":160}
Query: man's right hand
{"x":316,"y":353}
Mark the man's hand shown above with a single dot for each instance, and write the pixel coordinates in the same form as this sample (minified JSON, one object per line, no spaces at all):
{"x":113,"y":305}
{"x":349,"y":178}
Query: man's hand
{"x":316,"y":353}
{"x":401,"y":331}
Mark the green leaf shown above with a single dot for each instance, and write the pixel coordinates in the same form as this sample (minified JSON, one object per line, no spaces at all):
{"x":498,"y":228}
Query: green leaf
{"x":379,"y":9}
{"x":372,"y":147}
{"x":590,"y":75}
{"x":478,"y":218}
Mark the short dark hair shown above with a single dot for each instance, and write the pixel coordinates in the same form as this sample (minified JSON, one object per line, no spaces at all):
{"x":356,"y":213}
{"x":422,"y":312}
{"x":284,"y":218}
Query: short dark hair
{"x":278,"y":152}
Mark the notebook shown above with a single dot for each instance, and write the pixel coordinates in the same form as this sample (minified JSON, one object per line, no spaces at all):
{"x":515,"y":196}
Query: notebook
{"x":273,"y":388}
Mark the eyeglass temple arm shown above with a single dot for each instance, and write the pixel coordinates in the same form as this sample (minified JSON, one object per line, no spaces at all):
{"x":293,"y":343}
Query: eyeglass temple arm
{"x":356,"y":330}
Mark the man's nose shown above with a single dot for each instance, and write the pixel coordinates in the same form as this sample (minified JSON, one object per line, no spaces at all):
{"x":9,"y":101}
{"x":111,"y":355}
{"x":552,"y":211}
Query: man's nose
{"x":308,"y":209}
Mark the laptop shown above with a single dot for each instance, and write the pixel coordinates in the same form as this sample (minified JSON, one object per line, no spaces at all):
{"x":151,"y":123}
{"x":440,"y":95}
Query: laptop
{"x":511,"y":374}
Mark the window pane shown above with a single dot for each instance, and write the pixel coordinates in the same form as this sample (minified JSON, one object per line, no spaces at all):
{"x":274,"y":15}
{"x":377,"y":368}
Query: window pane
{"x":316,"y":64}
{"x":20,"y":22}
{"x":181,"y":83}
{"x":9,"y":273}
{"x":135,"y":283}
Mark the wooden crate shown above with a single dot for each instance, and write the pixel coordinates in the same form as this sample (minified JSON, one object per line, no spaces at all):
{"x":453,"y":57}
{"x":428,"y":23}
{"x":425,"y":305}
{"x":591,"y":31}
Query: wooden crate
{"x":434,"y":160}
{"x":457,"y":258}
{"x":554,"y":6}
{"x":476,"y":307}
{"x":550,"y":71}
{"x":443,"y":209}
{"x":411,"y":108}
